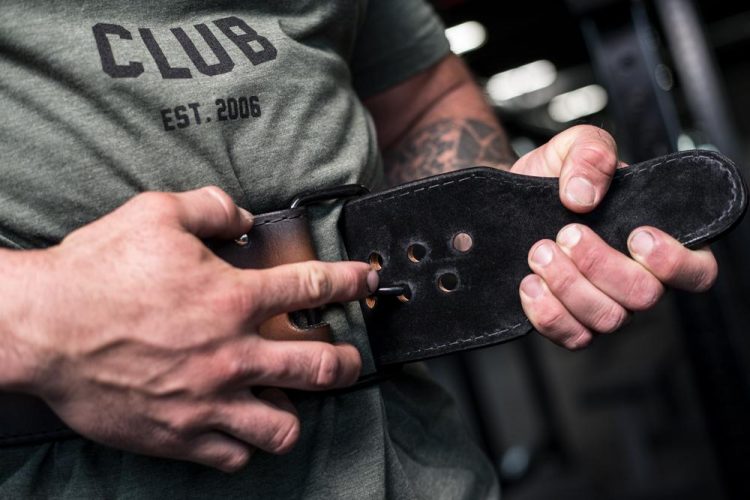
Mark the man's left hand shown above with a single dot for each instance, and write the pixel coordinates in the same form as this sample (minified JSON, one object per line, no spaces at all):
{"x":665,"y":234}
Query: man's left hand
{"x":581,"y":286}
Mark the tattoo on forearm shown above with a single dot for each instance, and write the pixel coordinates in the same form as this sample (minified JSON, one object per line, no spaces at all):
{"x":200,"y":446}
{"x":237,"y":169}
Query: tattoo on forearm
{"x":446,"y":145}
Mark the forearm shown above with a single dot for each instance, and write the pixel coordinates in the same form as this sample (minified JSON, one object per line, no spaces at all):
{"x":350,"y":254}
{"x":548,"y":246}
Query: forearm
{"x":447,"y":144}
{"x":455,"y":128}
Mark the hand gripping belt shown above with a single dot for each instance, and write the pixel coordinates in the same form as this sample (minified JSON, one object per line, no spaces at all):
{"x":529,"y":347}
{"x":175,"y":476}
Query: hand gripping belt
{"x":451,"y":251}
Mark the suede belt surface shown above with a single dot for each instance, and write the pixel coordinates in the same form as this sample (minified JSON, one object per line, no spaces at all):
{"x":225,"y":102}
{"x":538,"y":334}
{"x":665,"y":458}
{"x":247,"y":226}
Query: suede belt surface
{"x":451,"y":252}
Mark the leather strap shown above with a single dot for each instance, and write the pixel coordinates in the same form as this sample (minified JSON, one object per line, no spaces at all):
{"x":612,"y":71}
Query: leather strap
{"x":454,"y":247}
{"x":279,"y":238}
{"x":459,"y":300}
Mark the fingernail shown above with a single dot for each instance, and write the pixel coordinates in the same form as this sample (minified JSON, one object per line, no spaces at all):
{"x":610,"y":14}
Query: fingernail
{"x":246,"y":216}
{"x":581,"y":191}
{"x":642,"y":243}
{"x":532,"y":287}
{"x":372,"y":281}
{"x":569,"y":236}
{"x":542,"y":255}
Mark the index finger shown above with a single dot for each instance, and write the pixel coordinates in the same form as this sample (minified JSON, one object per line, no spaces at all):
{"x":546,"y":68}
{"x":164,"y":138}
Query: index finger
{"x":304,"y":285}
{"x":589,"y":162}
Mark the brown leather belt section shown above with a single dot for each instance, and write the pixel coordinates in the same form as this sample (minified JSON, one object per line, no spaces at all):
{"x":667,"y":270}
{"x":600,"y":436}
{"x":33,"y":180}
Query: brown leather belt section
{"x":279,"y":238}
{"x":451,"y":252}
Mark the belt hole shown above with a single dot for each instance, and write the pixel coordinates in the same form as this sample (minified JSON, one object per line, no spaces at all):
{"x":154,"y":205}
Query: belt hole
{"x":376,"y":261}
{"x":370,"y":302}
{"x":416,"y":252}
{"x":405,"y":297}
{"x":448,"y":282}
{"x":463,"y":242}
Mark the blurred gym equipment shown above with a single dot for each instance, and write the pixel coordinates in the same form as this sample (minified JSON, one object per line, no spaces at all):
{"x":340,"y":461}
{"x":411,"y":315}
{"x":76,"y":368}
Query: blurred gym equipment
{"x":661,"y":409}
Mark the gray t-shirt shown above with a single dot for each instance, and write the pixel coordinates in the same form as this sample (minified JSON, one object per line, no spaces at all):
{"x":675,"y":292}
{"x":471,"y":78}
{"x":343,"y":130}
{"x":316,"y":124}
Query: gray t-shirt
{"x":103,"y":99}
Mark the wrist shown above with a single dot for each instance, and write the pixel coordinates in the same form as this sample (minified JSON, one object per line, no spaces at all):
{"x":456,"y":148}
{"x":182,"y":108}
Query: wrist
{"x":21,"y":295}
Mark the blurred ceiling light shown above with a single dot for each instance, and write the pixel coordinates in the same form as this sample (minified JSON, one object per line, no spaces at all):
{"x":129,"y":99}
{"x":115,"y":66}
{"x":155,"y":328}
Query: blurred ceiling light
{"x":521,"y":80}
{"x":694,"y":140}
{"x":466,"y":36}
{"x":663,"y":77}
{"x":685,"y":142}
{"x":578,"y":103}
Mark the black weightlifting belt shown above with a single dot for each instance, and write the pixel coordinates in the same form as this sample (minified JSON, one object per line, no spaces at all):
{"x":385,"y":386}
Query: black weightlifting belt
{"x":451,"y":251}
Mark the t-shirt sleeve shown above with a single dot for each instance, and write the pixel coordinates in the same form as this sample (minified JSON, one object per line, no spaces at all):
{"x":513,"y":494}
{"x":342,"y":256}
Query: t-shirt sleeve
{"x":397,"y":39}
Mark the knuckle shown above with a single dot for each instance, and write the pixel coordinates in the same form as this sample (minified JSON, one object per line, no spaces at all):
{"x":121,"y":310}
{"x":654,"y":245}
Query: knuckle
{"x":581,"y":130}
{"x":326,"y":368}
{"x":225,"y":201}
{"x":239,"y":367}
{"x":563,"y":281}
{"x":592,"y":262}
{"x":584,"y":129}
{"x":147,"y":198}
{"x":232,"y":460}
{"x":705,"y":278}
{"x":357,"y":367}
{"x":609,"y":318}
{"x":240,"y":364}
{"x":169,"y":443}
{"x":577,"y":341}
{"x":605,"y":137}
{"x":354,"y":280}
{"x":644,"y":292}
{"x":154,"y":202}
{"x":183,"y":422}
{"x":596,"y":158}
{"x":549,"y":318}
{"x":285,"y":437}
{"x":317,"y":283}
{"x":671,"y":268}
{"x":234,"y":301}
{"x":220,"y":195}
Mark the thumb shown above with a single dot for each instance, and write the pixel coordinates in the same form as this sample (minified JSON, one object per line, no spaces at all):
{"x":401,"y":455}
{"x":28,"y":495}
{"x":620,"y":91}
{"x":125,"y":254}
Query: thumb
{"x":210,"y":212}
{"x":589,"y":163}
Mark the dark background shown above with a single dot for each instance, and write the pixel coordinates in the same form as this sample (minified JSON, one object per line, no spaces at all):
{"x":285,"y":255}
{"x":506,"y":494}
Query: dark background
{"x":660,"y":409}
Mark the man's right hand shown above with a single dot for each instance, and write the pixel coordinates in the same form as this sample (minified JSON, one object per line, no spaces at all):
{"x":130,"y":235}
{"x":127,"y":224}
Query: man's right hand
{"x":142,"y":339}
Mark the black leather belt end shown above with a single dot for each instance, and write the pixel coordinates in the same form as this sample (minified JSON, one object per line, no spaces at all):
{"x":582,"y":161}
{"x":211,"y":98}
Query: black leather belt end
{"x":452,"y":251}
{"x":462,"y":298}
